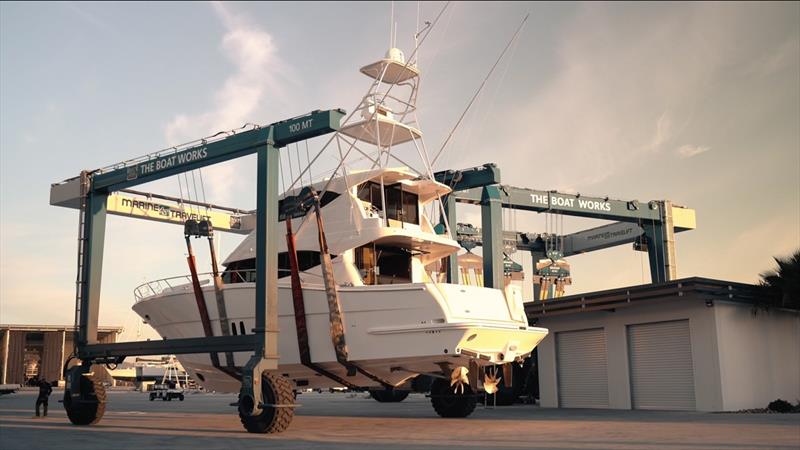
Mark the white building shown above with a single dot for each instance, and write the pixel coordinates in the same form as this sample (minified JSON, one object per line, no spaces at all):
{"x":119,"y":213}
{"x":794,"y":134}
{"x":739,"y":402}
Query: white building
{"x":690,"y":344}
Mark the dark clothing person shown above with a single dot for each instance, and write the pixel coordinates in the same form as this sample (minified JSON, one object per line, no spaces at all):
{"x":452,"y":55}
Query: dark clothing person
{"x":45,"y":389}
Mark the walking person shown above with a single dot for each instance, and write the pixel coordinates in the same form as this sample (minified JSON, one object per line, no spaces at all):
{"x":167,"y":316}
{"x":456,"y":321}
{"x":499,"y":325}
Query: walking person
{"x":45,"y":389}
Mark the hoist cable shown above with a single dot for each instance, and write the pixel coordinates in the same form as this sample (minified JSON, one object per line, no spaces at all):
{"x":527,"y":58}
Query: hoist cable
{"x":203,"y":187}
{"x":196,"y":194}
{"x":180,"y":189}
{"x":188,"y":191}
{"x":308,"y":159}
{"x":291,"y":169}
{"x":297,"y":156}
{"x":480,"y":88}
{"x":283,"y":178}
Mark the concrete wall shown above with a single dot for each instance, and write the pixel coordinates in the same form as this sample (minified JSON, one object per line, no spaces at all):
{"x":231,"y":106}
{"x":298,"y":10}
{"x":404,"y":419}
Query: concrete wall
{"x":759,"y":354}
{"x":702,"y":326}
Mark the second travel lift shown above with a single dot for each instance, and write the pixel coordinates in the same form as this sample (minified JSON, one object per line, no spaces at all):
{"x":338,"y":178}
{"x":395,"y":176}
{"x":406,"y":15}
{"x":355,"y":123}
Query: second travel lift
{"x":84,"y":396}
{"x":651,"y":226}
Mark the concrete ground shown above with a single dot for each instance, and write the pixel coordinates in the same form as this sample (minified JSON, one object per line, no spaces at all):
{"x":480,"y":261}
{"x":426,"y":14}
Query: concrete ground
{"x":352,"y":421}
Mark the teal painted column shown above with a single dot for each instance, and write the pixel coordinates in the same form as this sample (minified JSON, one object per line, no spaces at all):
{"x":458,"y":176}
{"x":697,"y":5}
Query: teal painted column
{"x":492,"y":234}
{"x":266,"y":313}
{"x":661,"y":245}
{"x":655,"y":252}
{"x":94,"y":232}
{"x":452,"y":260}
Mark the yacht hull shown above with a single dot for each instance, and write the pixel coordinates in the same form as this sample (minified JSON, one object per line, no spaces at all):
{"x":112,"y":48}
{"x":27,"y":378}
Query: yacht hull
{"x":393,"y":331}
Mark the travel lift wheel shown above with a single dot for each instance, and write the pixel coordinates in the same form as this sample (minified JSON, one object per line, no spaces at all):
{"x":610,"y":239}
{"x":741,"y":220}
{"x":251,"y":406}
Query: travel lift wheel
{"x":388,"y":395}
{"x":449,"y":402}
{"x":84,"y":396}
{"x":276,"y":392}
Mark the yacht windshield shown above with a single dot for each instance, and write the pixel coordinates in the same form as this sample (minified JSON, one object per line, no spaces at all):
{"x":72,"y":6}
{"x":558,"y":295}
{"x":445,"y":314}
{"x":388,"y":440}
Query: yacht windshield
{"x":400,"y":205}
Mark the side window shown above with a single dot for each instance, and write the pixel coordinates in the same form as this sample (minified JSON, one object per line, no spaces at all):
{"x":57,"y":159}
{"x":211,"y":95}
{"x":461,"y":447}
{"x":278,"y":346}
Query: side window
{"x":379,"y":264}
{"x":410,"y":208}
{"x":306,"y":259}
{"x":365,"y":263}
{"x":375,"y":195}
{"x":240,"y":271}
{"x":370,"y":192}
{"x":394,"y":265}
{"x":394,"y":202}
{"x":244,"y":271}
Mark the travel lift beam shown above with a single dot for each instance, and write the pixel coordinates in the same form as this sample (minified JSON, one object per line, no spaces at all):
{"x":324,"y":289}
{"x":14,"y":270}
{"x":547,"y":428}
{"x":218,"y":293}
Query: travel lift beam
{"x":660,"y":219}
{"x":598,"y":238}
{"x":160,"y":208}
{"x":93,"y":189}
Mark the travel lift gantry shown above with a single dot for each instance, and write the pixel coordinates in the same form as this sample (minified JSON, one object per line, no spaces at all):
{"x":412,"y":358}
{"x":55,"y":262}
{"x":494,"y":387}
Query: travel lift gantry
{"x":650,"y":226}
{"x":84,"y":396}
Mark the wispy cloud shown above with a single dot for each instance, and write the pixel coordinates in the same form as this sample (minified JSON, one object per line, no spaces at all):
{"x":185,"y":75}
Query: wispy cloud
{"x":689,"y":150}
{"x":259,"y":71}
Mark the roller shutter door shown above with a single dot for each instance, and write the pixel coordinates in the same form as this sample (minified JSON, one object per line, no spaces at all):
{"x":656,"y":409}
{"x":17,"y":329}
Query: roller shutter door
{"x":582,"y":369}
{"x":662,"y":375}
{"x":52,"y":358}
{"x":15,"y":374}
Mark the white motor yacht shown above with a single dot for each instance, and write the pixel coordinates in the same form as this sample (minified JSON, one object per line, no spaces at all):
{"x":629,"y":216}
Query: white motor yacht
{"x":398,"y":317}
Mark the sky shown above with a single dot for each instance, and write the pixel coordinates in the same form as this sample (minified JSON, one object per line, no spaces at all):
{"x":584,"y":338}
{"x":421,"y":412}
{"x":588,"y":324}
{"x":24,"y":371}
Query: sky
{"x":698,"y":103}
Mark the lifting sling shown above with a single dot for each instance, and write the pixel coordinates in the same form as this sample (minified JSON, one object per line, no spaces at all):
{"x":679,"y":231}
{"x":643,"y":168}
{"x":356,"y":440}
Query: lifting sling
{"x":300,"y":311}
{"x":191,"y":228}
{"x":222,"y":310}
{"x":335,"y":306}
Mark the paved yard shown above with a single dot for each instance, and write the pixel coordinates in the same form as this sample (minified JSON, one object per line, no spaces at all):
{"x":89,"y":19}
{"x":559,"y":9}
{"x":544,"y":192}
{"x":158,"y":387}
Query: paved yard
{"x":347,"y":421}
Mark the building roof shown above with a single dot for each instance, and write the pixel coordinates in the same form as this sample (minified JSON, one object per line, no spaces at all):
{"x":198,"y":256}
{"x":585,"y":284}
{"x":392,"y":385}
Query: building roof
{"x":40,"y":328}
{"x":706,"y":289}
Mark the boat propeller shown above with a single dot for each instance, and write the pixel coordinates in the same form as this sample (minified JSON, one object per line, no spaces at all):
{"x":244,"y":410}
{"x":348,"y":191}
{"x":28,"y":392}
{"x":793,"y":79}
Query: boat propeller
{"x":491,"y":380}
{"x":458,"y":378}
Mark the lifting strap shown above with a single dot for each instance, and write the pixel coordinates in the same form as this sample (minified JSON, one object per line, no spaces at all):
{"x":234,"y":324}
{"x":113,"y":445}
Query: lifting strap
{"x":203,"y":310}
{"x":199,"y":299}
{"x":300,"y":311}
{"x":222,"y":310}
{"x":335,"y":306}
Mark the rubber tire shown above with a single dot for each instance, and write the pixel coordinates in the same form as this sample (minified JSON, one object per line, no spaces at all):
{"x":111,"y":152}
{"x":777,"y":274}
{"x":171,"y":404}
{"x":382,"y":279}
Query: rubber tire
{"x":276,"y":390}
{"x":448,"y":404}
{"x":389,"y":395}
{"x":152,"y":397}
{"x":422,"y":383}
{"x":180,"y":397}
{"x":88,"y":412}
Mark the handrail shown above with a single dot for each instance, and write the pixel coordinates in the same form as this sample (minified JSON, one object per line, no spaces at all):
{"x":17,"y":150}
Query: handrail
{"x":157,"y":287}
